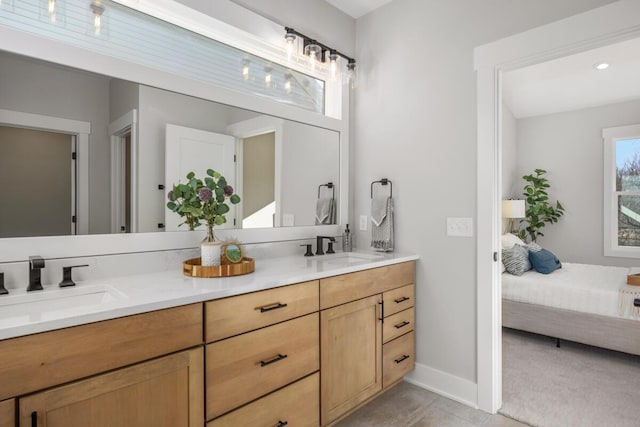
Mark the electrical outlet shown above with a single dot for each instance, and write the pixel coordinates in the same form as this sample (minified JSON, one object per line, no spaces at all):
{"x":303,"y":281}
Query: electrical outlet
{"x":363,"y":222}
{"x":460,"y":227}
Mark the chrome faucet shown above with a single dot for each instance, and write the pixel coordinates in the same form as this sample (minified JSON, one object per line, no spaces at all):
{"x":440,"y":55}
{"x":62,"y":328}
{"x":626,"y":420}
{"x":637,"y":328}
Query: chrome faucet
{"x":319,"y":244}
{"x":36,"y":264}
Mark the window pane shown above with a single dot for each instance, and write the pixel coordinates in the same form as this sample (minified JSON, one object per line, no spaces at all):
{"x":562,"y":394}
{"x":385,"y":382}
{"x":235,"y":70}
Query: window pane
{"x":126,"y":34}
{"x":629,"y":220}
{"x":628,"y":164}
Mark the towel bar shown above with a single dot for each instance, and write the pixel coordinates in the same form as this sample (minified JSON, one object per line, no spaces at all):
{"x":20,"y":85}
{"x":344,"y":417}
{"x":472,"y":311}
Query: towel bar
{"x":383,"y":181}
{"x":328,"y":185}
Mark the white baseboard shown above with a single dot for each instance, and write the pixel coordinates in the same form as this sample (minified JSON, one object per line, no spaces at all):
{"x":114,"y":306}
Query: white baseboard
{"x":447,"y":385}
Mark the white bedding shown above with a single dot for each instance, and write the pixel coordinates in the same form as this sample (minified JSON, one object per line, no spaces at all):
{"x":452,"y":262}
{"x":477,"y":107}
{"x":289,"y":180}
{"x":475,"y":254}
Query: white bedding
{"x":587,"y":288}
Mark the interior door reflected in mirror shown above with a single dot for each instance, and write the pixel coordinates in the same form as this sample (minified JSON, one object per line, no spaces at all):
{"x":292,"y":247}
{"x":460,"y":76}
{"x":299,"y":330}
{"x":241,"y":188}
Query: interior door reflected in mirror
{"x":120,"y":178}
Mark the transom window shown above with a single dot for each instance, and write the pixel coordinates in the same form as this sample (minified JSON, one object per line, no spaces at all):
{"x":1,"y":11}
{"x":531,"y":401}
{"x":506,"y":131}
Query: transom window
{"x":622,"y":191}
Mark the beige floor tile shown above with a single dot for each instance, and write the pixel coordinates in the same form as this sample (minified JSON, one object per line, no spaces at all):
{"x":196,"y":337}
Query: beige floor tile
{"x":436,"y":417}
{"x":465,"y":412}
{"x":502,"y":421}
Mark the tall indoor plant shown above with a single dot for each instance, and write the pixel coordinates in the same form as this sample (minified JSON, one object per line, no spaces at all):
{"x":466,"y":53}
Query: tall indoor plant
{"x":539,"y":210}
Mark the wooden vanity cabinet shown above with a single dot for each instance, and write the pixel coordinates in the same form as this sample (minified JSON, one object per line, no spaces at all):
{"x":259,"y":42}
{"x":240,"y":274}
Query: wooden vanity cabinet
{"x":8,"y":413}
{"x":165,"y":392}
{"x":354,"y":324}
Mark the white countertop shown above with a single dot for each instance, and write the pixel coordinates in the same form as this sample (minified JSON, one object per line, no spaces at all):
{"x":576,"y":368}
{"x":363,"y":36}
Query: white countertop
{"x":96,"y":300}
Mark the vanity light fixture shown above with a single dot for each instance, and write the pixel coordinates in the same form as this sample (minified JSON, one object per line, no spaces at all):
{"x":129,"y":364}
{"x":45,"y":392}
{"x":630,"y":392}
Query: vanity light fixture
{"x":601,"y":65}
{"x":267,"y":77}
{"x":97,"y":10}
{"x":245,"y":69}
{"x":317,"y":51}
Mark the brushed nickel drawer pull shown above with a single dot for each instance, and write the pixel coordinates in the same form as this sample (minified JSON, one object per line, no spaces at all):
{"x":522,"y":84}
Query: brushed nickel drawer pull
{"x":282,"y":423}
{"x":402,"y":325}
{"x":278,"y":358}
{"x":399,"y":300}
{"x":270,"y":307}
{"x":402,"y":359}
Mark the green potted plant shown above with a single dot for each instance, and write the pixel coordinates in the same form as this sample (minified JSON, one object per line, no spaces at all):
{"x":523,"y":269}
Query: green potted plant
{"x":539,"y":211}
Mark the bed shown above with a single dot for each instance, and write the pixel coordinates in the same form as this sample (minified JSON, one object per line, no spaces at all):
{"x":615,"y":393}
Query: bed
{"x":590,"y":304}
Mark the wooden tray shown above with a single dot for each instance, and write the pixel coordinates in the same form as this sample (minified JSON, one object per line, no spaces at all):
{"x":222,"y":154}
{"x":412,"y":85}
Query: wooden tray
{"x":192,"y":268}
{"x":633,"y":279}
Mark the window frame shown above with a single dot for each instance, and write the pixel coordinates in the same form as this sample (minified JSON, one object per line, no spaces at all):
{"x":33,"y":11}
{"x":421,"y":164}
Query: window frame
{"x":610,"y":136}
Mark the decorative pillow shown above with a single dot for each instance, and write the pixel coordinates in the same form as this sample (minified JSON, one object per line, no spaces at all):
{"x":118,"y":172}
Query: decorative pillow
{"x":516,"y":260}
{"x":544,"y":261}
{"x":508,"y":240}
{"x":534,"y":247}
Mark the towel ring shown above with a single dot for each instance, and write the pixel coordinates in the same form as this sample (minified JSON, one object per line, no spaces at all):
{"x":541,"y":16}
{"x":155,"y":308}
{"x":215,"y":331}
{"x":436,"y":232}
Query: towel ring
{"x":383,"y":181}
{"x":328,"y":185}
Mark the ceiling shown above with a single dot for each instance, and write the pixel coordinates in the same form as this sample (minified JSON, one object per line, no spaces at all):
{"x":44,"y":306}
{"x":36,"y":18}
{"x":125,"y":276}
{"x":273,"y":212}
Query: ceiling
{"x":572,"y":82}
{"x":357,"y":8}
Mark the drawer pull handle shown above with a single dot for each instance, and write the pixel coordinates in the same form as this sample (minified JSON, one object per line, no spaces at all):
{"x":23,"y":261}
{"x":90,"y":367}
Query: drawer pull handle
{"x":273,"y":360}
{"x":272,"y":307}
{"x":402,"y":325}
{"x":381,"y":303}
{"x":399,"y":300}
{"x":34,"y":419}
{"x":282,"y":423}
{"x":402,"y":359}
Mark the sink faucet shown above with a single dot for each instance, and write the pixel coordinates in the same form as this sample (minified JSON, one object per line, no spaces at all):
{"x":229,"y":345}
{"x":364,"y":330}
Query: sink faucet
{"x":36,"y":264}
{"x":319,"y":244}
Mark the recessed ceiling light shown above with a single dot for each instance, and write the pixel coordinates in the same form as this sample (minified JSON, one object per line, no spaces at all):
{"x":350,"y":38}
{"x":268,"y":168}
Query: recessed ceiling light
{"x":601,"y":65}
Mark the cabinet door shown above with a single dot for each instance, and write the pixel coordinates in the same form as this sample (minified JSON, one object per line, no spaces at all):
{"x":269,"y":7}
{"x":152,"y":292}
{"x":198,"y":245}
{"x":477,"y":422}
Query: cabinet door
{"x":351,"y":352}
{"x":166,"y":392}
{"x":7,"y":413}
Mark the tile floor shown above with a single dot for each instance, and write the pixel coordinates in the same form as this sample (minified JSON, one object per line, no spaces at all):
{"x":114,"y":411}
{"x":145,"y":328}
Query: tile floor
{"x":409,"y":406}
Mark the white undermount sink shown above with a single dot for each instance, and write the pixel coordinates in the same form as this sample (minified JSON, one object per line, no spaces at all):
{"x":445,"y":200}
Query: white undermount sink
{"x":349,"y":258}
{"x":52,"y":302}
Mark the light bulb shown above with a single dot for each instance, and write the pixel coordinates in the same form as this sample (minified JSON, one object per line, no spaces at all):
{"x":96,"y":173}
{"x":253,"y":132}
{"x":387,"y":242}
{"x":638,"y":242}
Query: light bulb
{"x":245,"y":69}
{"x":98,"y":10}
{"x":314,"y":51}
{"x":290,"y":37}
{"x":267,"y":77}
{"x":333,"y":58}
{"x":352,"y":74}
{"x":287,"y":83}
{"x":312,"y":60}
{"x":52,"y":10}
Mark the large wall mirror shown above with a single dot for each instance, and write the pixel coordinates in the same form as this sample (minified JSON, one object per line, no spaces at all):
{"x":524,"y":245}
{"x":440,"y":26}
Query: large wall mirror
{"x":140,"y":141}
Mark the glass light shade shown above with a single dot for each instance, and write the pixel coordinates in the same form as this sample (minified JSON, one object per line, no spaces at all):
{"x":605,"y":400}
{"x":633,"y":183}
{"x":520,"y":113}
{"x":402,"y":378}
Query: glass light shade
{"x":513,"y":209}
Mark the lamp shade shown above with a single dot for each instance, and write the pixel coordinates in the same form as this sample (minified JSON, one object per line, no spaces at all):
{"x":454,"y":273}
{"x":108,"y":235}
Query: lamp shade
{"x":513,"y":208}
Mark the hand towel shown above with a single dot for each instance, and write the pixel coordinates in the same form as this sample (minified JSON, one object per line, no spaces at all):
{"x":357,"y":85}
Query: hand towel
{"x":382,"y":223}
{"x":326,"y":211}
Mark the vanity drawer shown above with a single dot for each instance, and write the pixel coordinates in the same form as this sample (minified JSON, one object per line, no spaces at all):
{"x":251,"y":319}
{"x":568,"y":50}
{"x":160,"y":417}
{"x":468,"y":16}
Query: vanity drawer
{"x":296,"y":405}
{"x":38,"y":361}
{"x":398,"y":299}
{"x":398,"y":358}
{"x":398,"y":324}
{"x":353,"y":286}
{"x":232,"y":316}
{"x":245,"y":367}
{"x":8,"y":413}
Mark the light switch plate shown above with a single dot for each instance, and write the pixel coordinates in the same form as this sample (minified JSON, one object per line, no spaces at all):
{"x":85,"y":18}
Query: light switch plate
{"x":460,"y":227}
{"x":363,"y":222}
{"x":288,"y":220}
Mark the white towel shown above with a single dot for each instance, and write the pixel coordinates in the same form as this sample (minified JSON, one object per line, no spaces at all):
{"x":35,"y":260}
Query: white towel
{"x":382,"y":223}
{"x":326,"y":211}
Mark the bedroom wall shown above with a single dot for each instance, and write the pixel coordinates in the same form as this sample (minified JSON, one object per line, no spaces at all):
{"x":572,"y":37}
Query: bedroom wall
{"x":569,"y":146}
{"x":510,"y":178}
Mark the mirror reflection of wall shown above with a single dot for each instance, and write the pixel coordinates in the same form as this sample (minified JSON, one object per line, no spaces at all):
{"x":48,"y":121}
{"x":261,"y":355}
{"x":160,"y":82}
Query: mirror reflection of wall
{"x":126,"y":163}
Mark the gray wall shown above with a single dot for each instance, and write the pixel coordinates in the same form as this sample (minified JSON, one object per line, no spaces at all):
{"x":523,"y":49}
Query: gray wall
{"x":258,"y":161}
{"x":511,"y":188}
{"x":415,"y":123}
{"x":34,"y":87}
{"x":569,"y":147}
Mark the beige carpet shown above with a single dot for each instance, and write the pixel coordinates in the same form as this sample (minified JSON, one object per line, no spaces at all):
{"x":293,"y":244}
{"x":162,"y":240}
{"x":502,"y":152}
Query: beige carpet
{"x":575,"y":385}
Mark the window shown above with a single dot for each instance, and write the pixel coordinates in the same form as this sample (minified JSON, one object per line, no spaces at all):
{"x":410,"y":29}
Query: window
{"x":622,"y":191}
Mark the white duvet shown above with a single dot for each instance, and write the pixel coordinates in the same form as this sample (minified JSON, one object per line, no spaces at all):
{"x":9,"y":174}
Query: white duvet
{"x":587,"y":288}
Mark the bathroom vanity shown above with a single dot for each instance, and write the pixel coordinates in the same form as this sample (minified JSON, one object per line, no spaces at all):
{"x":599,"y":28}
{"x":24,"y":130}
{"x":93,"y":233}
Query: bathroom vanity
{"x":300,"y":342}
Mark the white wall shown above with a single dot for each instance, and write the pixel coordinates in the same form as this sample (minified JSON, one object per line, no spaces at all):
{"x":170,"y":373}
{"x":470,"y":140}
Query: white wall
{"x":415,"y":123}
{"x":569,"y":147}
{"x":36,"y":87}
{"x":511,"y":188}
{"x":124,"y":97}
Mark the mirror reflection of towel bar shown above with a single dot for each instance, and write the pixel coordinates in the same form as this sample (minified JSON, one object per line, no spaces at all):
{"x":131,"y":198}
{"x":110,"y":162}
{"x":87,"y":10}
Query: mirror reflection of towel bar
{"x":383,"y":181}
{"x":328,"y":185}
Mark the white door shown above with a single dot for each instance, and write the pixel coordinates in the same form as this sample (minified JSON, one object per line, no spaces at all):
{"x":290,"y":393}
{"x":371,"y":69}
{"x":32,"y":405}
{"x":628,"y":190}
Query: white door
{"x":194,"y":150}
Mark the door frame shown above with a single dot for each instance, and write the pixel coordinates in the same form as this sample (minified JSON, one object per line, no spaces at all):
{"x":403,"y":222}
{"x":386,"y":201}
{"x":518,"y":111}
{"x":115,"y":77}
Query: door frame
{"x":598,"y":27}
{"x":78,"y":129}
{"x":254,"y":127}
{"x":117,"y":130}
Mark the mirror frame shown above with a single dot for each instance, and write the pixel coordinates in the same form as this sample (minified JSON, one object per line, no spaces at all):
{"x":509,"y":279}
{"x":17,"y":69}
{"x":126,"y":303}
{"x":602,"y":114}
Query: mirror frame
{"x":30,"y":45}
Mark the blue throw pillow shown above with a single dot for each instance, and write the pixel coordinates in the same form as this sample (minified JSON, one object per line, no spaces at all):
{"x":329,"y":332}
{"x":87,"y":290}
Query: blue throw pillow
{"x":544,"y":261}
